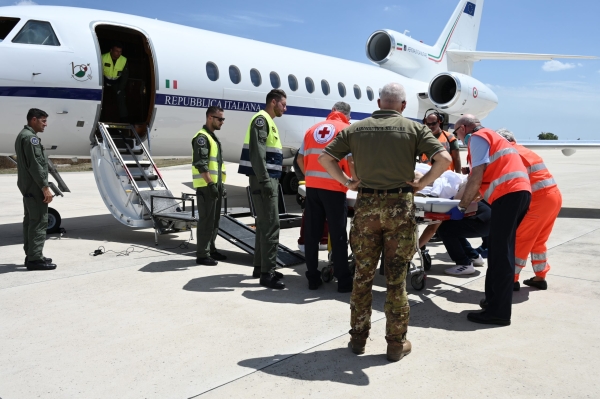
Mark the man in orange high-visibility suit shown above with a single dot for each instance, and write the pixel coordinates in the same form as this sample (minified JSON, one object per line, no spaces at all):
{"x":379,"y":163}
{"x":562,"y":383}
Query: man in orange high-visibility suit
{"x":326,"y":199}
{"x":535,"y":229}
{"x":500,"y":178}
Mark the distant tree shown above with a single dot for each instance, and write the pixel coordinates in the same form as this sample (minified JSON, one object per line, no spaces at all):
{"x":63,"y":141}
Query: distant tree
{"x":547,"y":136}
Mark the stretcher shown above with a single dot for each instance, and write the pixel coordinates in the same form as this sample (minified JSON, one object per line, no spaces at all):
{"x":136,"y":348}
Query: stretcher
{"x":428,"y":210}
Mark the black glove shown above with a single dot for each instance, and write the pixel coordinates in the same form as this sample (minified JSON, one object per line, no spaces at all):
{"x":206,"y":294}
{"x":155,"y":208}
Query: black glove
{"x":214,"y":190}
{"x":267,"y":188}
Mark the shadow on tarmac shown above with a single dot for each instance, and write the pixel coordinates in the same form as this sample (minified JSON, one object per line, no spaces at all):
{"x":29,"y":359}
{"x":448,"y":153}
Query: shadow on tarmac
{"x":336,"y":365}
{"x":235,"y":258}
{"x":12,"y":268}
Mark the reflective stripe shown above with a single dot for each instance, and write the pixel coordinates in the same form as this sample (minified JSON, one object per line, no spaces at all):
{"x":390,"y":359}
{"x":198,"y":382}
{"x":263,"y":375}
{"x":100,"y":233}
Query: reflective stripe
{"x":536,"y":167}
{"x":213,"y":159}
{"x":518,"y":270}
{"x":196,"y":176}
{"x":520,"y":262}
{"x":213,"y":172}
{"x":275,"y":149}
{"x":272,"y":166}
{"x":503,"y":179}
{"x":539,"y":256}
{"x":314,"y":173}
{"x":539,"y":267}
{"x":246,"y":146}
{"x":245,"y":163}
{"x":313,"y":151}
{"x":542,"y":184}
{"x":501,"y":153}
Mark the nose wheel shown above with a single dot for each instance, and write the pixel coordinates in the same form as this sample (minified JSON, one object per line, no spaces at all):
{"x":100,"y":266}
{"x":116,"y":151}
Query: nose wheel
{"x":54,"y":221}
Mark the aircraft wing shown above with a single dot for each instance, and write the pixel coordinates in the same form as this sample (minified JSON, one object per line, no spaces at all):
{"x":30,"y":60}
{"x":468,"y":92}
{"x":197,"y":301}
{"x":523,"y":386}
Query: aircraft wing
{"x":568,"y":147}
{"x":466,"y":56}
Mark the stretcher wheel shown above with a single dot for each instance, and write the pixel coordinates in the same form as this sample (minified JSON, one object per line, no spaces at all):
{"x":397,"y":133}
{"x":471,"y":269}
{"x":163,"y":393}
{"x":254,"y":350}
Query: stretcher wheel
{"x":327,"y":273}
{"x":426,"y":259}
{"x":418,"y":281}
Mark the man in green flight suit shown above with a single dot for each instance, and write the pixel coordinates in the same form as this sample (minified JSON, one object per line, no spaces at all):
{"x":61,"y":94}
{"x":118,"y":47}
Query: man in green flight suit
{"x":261,"y":161}
{"x":208,"y":173}
{"x":116,"y":73}
{"x":32,"y":170}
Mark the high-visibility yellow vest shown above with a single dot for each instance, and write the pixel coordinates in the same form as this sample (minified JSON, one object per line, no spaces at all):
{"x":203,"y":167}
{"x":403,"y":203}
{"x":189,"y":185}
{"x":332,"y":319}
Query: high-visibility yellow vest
{"x":274,"y":158}
{"x":112,"y":70}
{"x":213,"y":164}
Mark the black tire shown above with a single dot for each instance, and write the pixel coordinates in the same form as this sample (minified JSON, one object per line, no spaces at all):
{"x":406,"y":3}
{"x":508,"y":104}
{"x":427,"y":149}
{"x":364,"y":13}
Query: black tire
{"x":426,"y":259}
{"x":290,"y":183}
{"x":54,"y":221}
{"x":327,"y":274}
{"x":418,"y":281}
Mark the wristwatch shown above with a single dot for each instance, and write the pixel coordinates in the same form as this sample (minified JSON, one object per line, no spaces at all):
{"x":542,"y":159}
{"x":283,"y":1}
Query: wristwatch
{"x":348,"y":182}
{"x":462,"y":209}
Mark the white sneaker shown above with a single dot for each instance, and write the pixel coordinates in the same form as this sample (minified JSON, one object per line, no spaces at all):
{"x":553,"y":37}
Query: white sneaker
{"x":478,"y":262}
{"x":459,"y":270}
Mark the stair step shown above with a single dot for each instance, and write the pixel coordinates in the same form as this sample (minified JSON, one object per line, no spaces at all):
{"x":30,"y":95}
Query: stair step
{"x":141,"y":178}
{"x":142,"y":163}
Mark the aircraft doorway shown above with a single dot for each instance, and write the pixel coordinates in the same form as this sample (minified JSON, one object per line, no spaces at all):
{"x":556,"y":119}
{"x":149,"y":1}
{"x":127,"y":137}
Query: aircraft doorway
{"x":140,"y":85}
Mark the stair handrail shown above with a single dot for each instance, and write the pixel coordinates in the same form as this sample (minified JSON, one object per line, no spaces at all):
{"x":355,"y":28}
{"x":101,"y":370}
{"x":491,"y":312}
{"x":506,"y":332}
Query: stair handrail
{"x":162,"y":181}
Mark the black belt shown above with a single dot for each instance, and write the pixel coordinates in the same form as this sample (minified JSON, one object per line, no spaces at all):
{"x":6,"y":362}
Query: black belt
{"x":390,"y":191}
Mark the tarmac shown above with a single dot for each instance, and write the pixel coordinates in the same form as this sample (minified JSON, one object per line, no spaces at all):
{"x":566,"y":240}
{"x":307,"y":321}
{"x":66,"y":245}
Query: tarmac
{"x":144,"y":321}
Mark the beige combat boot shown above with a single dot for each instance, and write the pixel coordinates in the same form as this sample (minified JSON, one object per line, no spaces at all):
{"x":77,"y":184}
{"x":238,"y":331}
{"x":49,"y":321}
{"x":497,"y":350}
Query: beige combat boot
{"x":358,"y":341}
{"x":397,"y":350}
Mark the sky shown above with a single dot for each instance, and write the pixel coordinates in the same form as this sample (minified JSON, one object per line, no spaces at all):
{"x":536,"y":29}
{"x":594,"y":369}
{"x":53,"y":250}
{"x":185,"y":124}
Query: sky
{"x":561,"y":96}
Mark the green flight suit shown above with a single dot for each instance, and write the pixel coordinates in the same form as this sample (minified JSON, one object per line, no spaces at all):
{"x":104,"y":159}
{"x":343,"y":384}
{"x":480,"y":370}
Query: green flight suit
{"x":32,"y":170}
{"x":265,"y":195}
{"x":209,"y":208}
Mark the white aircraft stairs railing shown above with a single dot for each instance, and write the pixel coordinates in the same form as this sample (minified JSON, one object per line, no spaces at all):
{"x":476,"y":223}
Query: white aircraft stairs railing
{"x":131,"y":185}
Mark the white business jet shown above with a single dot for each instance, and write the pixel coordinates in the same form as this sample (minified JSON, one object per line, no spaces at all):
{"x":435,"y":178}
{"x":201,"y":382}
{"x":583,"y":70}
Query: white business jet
{"x":50,"y":58}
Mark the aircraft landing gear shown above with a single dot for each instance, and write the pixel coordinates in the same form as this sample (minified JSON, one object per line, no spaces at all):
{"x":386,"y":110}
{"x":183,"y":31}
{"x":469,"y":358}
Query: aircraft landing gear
{"x":54,"y":221}
{"x":289,"y":183}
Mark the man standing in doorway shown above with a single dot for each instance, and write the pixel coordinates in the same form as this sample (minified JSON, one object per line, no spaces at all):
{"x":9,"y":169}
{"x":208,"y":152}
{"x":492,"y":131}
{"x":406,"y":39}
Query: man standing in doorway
{"x":116,"y":73}
{"x":261,"y":160}
{"x":208,"y":173}
{"x":32,"y":171}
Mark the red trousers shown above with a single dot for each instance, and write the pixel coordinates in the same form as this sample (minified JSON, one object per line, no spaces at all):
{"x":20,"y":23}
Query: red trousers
{"x":534,"y":230}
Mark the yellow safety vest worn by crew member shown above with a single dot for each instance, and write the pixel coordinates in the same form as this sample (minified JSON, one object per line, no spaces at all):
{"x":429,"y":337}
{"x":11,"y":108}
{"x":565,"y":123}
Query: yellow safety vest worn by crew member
{"x":274,"y":156}
{"x":113,"y":70}
{"x":213,"y":164}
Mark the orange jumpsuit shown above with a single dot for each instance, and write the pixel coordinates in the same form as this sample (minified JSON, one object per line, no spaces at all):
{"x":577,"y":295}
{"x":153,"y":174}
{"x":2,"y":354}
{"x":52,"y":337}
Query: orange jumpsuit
{"x":534,"y":230}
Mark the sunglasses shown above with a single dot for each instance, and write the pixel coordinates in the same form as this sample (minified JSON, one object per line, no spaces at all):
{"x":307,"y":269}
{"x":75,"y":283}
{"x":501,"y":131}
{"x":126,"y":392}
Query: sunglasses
{"x":431,"y":123}
{"x":217,"y":118}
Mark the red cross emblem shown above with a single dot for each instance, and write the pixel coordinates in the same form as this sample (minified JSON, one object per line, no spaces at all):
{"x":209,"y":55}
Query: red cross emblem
{"x":324,"y":133}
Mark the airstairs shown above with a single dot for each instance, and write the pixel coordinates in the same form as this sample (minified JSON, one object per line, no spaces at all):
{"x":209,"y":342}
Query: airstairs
{"x":135,"y":193}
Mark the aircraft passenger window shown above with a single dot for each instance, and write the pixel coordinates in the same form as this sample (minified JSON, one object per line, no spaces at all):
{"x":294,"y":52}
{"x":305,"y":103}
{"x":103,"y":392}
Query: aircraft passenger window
{"x":234,"y":74}
{"x":310,"y":85}
{"x":325,"y":87}
{"x":6,"y":25}
{"x":370,"y":94}
{"x":342,"y":89}
{"x":357,"y":92}
{"x":37,"y":32}
{"x":212,"y":71}
{"x":293,"y":82}
{"x":275,"y":81}
{"x":255,"y":77}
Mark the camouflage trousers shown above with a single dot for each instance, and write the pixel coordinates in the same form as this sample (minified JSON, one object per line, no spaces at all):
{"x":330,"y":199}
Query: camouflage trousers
{"x":382,"y":222}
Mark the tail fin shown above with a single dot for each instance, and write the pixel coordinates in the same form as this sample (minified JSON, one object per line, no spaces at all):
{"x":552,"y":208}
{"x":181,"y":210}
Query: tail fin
{"x":461,"y":31}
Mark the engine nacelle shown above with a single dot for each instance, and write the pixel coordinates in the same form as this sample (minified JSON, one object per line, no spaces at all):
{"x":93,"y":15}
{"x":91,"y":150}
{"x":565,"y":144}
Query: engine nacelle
{"x":455,"y":93}
{"x":399,"y":53}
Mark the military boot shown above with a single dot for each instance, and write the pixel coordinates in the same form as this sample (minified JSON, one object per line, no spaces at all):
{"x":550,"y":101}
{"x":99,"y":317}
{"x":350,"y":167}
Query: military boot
{"x":358,"y":341}
{"x":397,"y":350}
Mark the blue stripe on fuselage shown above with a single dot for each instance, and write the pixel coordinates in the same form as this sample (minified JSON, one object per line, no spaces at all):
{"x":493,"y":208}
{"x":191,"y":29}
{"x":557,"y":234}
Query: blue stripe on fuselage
{"x":67,"y":93}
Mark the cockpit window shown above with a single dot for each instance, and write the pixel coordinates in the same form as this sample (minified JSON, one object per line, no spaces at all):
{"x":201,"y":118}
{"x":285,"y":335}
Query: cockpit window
{"x":6,"y":25}
{"x":37,"y":32}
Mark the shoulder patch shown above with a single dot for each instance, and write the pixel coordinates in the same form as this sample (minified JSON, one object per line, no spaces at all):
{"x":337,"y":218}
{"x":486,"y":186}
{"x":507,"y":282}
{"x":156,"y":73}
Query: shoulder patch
{"x":324,"y":133}
{"x":259,"y":122}
{"x":201,"y":140}
{"x":35,"y":141}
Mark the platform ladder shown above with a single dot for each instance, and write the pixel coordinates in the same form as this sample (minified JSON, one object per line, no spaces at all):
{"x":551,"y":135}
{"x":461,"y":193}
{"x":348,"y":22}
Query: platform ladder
{"x":129,"y":152}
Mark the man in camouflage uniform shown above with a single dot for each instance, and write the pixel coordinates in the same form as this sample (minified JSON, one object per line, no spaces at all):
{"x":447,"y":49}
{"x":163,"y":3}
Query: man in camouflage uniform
{"x":385,"y":147}
{"x":32,"y":171}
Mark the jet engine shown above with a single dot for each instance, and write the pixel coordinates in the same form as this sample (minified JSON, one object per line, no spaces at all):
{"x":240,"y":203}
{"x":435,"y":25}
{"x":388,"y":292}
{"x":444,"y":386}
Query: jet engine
{"x":455,"y":93}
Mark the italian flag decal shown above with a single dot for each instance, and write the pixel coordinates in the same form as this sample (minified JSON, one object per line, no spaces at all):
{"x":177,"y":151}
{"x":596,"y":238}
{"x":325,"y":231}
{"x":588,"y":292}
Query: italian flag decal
{"x":399,"y":46}
{"x":170,"y":83}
